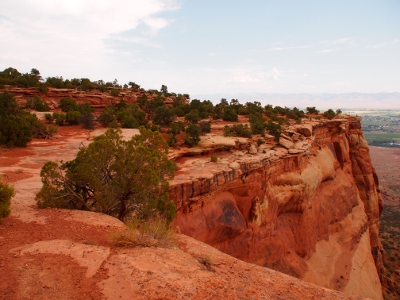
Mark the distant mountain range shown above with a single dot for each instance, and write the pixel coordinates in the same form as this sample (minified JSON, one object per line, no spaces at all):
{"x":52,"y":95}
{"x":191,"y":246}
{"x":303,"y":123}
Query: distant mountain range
{"x":320,"y":101}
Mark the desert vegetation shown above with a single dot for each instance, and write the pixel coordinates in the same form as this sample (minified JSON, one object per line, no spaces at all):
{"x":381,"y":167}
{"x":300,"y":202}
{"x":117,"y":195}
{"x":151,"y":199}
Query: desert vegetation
{"x":113,"y":176}
{"x":150,"y":110}
{"x":6,"y":193}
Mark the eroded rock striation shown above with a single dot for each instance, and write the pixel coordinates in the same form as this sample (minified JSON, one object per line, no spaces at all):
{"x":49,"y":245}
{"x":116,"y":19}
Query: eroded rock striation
{"x":308,"y":207}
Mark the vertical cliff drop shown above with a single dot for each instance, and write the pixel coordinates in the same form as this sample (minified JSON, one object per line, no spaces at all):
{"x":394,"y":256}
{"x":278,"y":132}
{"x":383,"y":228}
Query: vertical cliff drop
{"x":309,"y":209}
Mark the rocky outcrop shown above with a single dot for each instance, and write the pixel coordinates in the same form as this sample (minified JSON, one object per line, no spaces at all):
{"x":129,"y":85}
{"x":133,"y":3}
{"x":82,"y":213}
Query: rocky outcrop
{"x":95,"y":98}
{"x":309,"y":209}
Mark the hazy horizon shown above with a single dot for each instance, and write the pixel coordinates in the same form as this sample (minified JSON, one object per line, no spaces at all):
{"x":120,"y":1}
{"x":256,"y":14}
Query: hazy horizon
{"x":212,"y":47}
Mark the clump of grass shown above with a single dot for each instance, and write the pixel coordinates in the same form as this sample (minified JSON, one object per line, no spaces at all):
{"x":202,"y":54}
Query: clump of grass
{"x":214,"y":158}
{"x":206,"y":261}
{"x":154,"y":232}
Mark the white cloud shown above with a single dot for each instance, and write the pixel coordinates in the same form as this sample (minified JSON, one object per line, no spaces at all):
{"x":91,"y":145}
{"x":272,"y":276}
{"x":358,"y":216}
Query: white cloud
{"x":73,"y":32}
{"x":375,"y":46}
{"x":396,"y":41}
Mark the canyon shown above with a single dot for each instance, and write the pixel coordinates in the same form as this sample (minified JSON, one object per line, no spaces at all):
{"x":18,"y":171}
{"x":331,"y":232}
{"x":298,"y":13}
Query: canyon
{"x":307,"y":205}
{"x":311,"y":211}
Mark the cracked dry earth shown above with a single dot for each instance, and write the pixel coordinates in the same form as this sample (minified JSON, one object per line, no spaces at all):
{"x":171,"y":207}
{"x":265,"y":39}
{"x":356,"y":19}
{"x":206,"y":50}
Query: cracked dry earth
{"x":63,"y":254}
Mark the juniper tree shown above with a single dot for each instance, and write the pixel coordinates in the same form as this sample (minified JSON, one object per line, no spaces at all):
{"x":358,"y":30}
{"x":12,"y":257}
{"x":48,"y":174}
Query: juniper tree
{"x":113,"y":176}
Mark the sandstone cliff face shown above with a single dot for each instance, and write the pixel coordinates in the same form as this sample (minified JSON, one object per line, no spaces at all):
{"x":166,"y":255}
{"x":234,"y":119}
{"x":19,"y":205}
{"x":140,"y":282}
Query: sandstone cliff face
{"x":311,"y":211}
{"x":95,"y":98}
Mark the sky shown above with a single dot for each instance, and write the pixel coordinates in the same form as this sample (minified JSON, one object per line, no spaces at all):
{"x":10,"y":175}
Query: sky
{"x":209,"y":47}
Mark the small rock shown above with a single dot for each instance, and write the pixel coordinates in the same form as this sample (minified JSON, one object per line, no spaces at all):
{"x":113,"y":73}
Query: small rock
{"x":285,"y":142}
{"x":234,"y":165}
{"x":252,"y":149}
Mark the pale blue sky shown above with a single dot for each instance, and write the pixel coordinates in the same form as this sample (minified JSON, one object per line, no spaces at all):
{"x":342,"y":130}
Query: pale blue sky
{"x":209,"y":47}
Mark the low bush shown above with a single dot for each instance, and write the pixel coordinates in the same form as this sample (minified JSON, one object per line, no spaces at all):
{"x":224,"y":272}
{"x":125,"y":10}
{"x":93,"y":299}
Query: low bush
{"x":155,"y":232}
{"x":6,"y":193}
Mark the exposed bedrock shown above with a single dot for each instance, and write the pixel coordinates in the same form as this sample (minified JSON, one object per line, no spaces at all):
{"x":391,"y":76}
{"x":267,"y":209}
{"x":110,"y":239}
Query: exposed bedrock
{"x":313,"y":215}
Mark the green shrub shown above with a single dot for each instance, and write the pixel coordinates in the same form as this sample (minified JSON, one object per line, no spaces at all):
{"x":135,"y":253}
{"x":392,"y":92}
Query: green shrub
{"x":114,"y":92}
{"x":330,"y":114}
{"x":172,"y":140}
{"x":6,"y":193}
{"x":192,"y":136}
{"x":40,"y":105}
{"x":18,"y":127}
{"x":205,"y":126}
{"x":113,"y":176}
{"x":214,"y":158}
{"x":52,"y":130}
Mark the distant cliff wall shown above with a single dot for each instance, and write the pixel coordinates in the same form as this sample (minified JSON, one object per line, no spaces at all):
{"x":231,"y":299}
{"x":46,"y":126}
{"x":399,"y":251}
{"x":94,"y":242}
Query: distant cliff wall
{"x":313,"y":214}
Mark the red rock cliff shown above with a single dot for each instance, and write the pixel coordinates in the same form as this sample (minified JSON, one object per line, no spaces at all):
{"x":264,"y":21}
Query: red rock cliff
{"x":311,"y":211}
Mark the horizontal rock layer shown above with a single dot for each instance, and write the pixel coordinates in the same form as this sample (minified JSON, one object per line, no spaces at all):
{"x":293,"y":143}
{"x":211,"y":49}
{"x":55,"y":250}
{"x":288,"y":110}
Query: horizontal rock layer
{"x":309,"y":209}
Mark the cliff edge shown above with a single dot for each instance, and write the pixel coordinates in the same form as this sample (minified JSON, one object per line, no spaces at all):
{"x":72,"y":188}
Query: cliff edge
{"x":308,"y":207}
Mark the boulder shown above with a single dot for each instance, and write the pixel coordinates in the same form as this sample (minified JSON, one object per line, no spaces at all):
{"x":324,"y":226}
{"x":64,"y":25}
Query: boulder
{"x":287,"y":143}
{"x":252,"y":149}
{"x":305,"y":129}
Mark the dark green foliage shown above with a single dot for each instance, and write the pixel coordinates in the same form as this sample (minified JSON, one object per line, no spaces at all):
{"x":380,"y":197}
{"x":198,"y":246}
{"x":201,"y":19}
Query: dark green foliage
{"x":18,"y":127}
{"x":329,"y":114}
{"x":42,"y":87}
{"x":6,"y":193}
{"x":113,"y":124}
{"x":124,"y":115}
{"x":177,"y":127}
{"x":155,"y":128}
{"x":59,"y":119}
{"x":192,"y":136}
{"x":49,"y":118}
{"x":86,"y":120}
{"x":237,"y":130}
{"x":230,"y":114}
{"x":72,"y":117}
{"x":129,"y":121}
{"x":254,"y":108}
{"x":40,"y":105}
{"x":55,"y":82}
{"x":214,"y":158}
{"x":257,"y":123}
{"x":312,"y":110}
{"x":113,"y":176}
{"x":107,"y":116}
{"x":121,"y":105}
{"x":205,"y":126}
{"x":274,"y":129}
{"x":193,"y":116}
{"x":163,"y":116}
{"x":114,"y":92}
{"x":67,"y":104}
{"x":134,"y":86}
{"x":172,"y":140}
{"x":37,"y":104}
{"x":11,"y":76}
{"x":164,"y":89}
